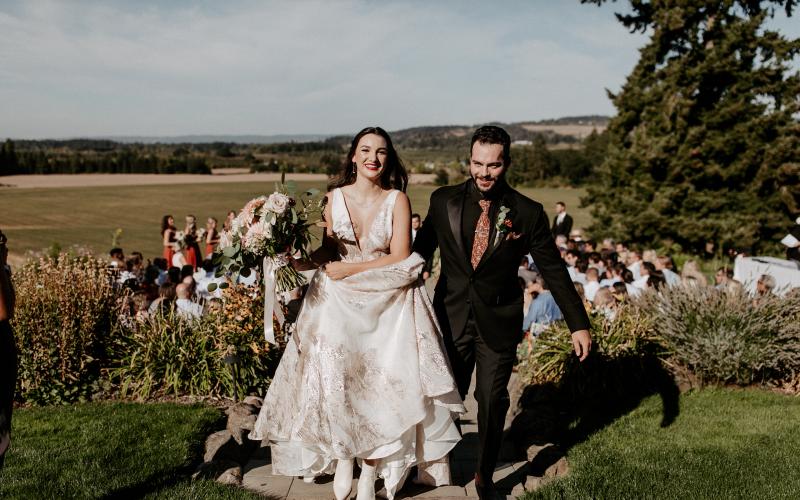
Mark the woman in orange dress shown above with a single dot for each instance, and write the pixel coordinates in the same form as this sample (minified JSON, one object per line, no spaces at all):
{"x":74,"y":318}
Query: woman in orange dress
{"x":168,"y":236}
{"x":212,"y":236}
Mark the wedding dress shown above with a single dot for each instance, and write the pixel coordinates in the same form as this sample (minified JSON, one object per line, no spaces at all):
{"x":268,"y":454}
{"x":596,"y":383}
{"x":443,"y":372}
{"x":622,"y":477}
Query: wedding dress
{"x":372,"y":380}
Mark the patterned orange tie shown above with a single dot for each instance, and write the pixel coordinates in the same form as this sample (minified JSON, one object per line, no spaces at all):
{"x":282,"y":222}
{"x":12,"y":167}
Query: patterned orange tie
{"x":481,"y":233}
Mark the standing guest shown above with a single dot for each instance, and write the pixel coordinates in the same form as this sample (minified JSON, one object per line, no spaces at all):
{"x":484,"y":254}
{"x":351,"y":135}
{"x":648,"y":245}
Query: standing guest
{"x":8,"y":350}
{"x":416,"y":222}
{"x":190,"y":234}
{"x":168,"y":231}
{"x":562,"y":222}
{"x":226,"y":226}
{"x":212,"y":236}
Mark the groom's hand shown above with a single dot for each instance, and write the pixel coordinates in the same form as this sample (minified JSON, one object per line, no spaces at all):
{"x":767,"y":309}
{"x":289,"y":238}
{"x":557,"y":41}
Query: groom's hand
{"x":582,"y":343}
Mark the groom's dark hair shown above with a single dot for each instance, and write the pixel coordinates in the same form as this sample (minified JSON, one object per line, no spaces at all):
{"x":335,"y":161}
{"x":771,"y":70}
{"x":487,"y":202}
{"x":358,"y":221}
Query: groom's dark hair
{"x":491,"y":134}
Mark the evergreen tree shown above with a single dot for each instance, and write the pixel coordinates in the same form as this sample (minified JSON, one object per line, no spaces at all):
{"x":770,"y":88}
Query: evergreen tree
{"x":706,"y":142}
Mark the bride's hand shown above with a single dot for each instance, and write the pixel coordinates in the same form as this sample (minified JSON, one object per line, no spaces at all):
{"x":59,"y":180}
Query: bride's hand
{"x":337,"y":270}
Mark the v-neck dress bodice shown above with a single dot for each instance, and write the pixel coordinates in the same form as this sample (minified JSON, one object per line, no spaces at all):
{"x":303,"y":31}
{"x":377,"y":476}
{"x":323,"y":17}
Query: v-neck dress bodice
{"x":375,"y":238}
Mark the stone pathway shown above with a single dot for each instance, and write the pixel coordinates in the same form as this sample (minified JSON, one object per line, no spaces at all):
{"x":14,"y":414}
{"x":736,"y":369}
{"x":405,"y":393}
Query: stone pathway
{"x":510,"y":475}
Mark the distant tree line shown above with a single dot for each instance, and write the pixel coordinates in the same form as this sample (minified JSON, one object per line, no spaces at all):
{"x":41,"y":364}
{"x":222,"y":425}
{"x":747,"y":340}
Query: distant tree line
{"x":89,"y":156}
{"x":538,"y":164}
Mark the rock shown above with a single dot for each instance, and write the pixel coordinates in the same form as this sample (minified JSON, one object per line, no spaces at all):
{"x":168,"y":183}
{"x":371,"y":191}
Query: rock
{"x":214,"y":443}
{"x":254,"y":401}
{"x":232,"y":476}
{"x":545,"y":463}
{"x":213,"y":469}
{"x":241,"y":419}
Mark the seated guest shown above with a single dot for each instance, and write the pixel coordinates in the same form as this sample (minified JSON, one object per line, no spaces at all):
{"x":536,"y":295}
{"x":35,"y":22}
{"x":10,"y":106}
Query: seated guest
{"x":150,"y":283}
{"x":765,"y":285}
{"x":162,"y":265}
{"x":615,"y":272}
{"x":645,"y":270}
{"x":605,"y":303}
{"x":634,"y":262}
{"x":184,"y":305}
{"x":592,"y":283}
{"x":527,"y":295}
{"x":165,"y":302}
{"x":174,"y":275}
{"x":571,"y":257}
{"x":666,"y":266}
{"x":722,"y":277}
{"x":117,"y":258}
{"x":620,"y":292}
{"x":524,"y":272}
{"x":656,"y":280}
{"x":543,"y":309}
{"x":579,"y":288}
{"x":186,"y":271}
{"x":581,"y":266}
{"x":204,"y":277}
{"x":692,"y":275}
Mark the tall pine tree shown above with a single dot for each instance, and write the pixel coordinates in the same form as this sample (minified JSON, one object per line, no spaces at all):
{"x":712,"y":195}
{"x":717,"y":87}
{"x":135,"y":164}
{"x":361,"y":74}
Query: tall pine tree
{"x":706,"y":142}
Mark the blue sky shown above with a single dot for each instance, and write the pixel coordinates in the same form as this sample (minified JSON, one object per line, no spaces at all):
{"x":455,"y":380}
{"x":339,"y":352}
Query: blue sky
{"x":71,"y":69}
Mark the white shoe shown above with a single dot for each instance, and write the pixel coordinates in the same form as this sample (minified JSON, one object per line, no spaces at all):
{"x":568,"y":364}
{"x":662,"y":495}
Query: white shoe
{"x":343,"y":479}
{"x":366,"y":482}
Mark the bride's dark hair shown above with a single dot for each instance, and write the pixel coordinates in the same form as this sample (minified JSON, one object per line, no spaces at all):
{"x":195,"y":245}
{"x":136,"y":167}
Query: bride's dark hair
{"x":394,"y":173}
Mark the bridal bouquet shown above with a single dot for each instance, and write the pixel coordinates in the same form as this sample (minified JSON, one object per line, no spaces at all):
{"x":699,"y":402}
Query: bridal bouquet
{"x":269,"y":230}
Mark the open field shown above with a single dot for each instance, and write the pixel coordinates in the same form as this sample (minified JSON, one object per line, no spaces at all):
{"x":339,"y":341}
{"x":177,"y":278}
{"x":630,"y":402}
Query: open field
{"x":35,"y":218}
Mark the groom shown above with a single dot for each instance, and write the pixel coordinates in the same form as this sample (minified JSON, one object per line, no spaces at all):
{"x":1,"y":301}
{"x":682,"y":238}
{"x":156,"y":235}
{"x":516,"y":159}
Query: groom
{"x":483,"y":228}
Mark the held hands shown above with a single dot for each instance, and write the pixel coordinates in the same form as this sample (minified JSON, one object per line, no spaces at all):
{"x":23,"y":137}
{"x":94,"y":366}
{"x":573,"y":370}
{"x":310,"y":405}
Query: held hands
{"x":339,"y":270}
{"x":582,"y":343}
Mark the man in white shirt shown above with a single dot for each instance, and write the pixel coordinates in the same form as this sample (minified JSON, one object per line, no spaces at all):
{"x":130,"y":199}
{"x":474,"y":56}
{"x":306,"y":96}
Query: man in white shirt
{"x":184,"y":304}
{"x":635,"y":263}
{"x":562,"y":223}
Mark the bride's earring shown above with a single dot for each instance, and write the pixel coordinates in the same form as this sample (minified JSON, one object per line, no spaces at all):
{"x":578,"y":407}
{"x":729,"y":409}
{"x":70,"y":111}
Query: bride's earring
{"x":354,"y":167}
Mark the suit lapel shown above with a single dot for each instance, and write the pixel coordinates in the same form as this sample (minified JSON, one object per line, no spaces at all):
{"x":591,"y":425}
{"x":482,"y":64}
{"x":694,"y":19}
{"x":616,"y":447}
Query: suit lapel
{"x":455,"y":209}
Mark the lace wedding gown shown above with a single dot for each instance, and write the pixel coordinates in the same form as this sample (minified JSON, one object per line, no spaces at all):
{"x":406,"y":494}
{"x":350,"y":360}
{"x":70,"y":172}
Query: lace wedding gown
{"x":372,"y":380}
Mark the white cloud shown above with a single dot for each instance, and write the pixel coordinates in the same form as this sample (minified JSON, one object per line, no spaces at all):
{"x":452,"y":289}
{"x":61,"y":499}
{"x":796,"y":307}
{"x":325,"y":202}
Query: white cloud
{"x":72,"y":69}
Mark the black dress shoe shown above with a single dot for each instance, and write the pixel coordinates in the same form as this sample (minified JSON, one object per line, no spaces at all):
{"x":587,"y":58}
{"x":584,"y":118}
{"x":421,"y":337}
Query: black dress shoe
{"x":485,"y":489}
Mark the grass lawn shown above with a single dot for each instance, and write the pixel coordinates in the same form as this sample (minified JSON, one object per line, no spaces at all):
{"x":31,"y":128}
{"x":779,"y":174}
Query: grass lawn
{"x":34,"y":219}
{"x":724,"y":444}
{"x":110,"y":450}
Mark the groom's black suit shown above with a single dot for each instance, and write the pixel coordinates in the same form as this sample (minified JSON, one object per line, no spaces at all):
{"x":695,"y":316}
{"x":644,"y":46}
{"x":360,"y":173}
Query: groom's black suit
{"x":480,"y":310}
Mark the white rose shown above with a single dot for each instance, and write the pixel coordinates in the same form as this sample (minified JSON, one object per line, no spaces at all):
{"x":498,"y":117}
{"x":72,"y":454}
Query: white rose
{"x":277,"y":202}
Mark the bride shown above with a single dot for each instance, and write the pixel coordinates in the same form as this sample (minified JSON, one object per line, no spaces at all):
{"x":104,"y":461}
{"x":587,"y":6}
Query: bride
{"x":368,"y":378}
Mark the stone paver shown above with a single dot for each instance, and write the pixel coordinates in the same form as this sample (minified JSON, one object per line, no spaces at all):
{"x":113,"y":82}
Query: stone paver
{"x":509,"y":476}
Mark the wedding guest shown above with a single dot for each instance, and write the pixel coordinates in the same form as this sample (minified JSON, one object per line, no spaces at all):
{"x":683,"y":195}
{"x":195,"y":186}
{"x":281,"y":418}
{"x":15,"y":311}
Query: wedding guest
{"x":192,"y":255}
{"x":182,"y":255}
{"x":228,"y":221}
{"x":656,"y":280}
{"x":162,"y":265}
{"x":592,"y":283}
{"x":634,"y":262}
{"x":620,"y":292}
{"x":204,"y":277}
{"x":8,"y":350}
{"x":117,"y":258}
{"x":723,"y":276}
{"x":212,"y":236}
{"x":765,"y":285}
{"x":667,"y":267}
{"x":562,"y":222}
{"x":150,"y":283}
{"x":692,"y":275}
{"x":582,"y":294}
{"x":645,"y":270}
{"x":416,"y":222}
{"x":186,"y":271}
{"x":168,"y":231}
{"x":543,"y":310}
{"x":524,"y":272}
{"x":184,"y":305}
{"x":165,"y":302}
{"x":527,"y":295}
{"x":173,"y":275}
{"x":605,"y":303}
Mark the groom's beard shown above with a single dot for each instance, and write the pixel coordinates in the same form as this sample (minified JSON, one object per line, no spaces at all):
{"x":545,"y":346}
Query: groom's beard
{"x":498,"y":186}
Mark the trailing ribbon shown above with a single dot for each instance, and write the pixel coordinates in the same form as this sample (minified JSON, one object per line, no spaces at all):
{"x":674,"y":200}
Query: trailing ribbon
{"x":271,"y":266}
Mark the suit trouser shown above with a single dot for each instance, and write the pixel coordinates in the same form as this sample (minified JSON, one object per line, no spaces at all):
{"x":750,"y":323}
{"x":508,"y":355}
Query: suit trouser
{"x":468,"y":352}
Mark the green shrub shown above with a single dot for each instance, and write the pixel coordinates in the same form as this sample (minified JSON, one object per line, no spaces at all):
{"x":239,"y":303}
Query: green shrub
{"x":548,"y":357}
{"x":726,"y":337}
{"x":165,"y":354}
{"x":66,"y":307}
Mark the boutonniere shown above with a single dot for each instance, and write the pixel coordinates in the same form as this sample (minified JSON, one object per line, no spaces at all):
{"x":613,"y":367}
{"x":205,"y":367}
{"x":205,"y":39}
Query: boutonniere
{"x":503,"y":227}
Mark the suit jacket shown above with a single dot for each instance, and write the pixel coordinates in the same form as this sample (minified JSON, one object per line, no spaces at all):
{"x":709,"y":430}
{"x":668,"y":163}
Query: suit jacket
{"x":564,"y":228}
{"x":491,"y":291}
